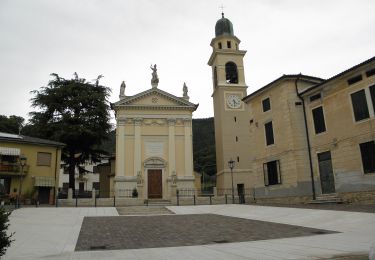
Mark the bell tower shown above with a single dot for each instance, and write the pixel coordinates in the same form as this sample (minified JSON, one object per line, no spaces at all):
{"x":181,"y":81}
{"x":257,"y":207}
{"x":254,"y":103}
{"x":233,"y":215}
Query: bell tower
{"x":229,"y":88}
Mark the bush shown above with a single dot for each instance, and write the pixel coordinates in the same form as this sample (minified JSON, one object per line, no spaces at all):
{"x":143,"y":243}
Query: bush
{"x":5,"y":239}
{"x":135,"y":193}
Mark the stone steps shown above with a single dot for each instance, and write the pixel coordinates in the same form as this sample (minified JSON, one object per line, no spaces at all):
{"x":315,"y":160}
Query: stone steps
{"x":158,"y":202}
{"x":143,"y":210}
{"x":326,"y":199}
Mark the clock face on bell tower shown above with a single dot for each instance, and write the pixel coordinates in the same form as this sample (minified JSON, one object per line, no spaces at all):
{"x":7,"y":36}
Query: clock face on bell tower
{"x":234,"y":101}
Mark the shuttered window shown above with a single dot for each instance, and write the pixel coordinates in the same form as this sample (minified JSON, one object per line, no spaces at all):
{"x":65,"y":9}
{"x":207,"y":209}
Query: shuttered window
{"x":43,"y":159}
{"x":269,"y":133}
{"x":368,"y":156}
{"x":272,"y":173}
{"x":319,"y":122}
{"x":360,"y":105}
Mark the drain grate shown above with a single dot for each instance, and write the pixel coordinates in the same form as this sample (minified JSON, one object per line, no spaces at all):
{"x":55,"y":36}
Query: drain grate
{"x":98,"y":247}
{"x":220,"y":241}
{"x":320,"y":232}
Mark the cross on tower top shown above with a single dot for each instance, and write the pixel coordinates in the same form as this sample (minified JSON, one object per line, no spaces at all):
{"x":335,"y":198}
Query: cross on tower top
{"x":222,"y":11}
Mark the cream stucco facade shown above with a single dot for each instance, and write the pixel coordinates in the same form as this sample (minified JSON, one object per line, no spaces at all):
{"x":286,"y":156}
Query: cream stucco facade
{"x":297,"y":138}
{"x":154,"y":143}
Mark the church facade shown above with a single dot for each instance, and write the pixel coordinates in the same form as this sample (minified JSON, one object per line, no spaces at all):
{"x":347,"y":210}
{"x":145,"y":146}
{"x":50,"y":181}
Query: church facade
{"x":153,"y":142}
{"x":299,"y":137}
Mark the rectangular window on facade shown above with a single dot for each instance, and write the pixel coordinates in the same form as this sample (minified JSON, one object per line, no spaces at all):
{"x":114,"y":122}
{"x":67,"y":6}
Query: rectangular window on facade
{"x":359,"y":103}
{"x":368,"y":156}
{"x":43,"y":159}
{"x":266,"y":104}
{"x":315,"y":97}
{"x":65,"y":186}
{"x":272,"y":173}
{"x":229,"y":44}
{"x":319,"y":122}
{"x":96,"y":185}
{"x":354,"y":79}
{"x":269,"y":133}
{"x":370,"y":73}
{"x":372,"y":93}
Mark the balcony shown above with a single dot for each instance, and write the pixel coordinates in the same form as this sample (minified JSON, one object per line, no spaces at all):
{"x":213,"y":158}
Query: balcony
{"x":12,"y":169}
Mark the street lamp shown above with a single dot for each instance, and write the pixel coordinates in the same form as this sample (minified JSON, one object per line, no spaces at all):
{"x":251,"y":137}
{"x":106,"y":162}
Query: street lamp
{"x":231,"y":166}
{"x":23,"y":160}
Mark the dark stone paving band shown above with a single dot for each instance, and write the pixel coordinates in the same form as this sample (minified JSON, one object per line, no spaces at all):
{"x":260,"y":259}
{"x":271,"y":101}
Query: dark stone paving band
{"x":134,"y":232}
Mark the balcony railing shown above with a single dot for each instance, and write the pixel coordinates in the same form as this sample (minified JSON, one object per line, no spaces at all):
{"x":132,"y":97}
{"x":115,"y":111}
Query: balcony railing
{"x":13,"y":168}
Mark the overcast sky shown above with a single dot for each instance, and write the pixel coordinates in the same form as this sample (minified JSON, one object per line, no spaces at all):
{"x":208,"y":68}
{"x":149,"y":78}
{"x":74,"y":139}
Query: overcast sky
{"x":120,"y":39}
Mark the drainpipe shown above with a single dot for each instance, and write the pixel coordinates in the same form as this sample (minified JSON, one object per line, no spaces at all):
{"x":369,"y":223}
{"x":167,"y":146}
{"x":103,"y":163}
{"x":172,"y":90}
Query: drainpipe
{"x":307,"y":138}
{"x":56,"y":182}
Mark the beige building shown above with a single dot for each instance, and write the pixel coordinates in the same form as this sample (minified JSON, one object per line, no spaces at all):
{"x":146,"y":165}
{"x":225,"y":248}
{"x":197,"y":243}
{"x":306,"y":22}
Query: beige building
{"x":40,"y":172}
{"x":296,"y":138}
{"x":153,"y":142}
{"x":341,"y":124}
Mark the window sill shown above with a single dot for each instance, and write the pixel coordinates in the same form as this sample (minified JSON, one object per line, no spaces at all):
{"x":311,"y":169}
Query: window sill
{"x":363,"y":120}
{"x":321,"y":133}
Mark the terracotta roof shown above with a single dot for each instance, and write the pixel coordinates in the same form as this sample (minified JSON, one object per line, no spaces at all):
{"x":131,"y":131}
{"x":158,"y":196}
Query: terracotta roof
{"x":283,"y":77}
{"x":340,"y":74}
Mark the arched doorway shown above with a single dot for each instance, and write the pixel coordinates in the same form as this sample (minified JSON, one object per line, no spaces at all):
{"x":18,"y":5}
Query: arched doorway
{"x":154,"y":168}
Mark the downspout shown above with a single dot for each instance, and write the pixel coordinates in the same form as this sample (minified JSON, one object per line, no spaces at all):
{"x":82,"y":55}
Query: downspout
{"x":307,"y":138}
{"x":56,"y":182}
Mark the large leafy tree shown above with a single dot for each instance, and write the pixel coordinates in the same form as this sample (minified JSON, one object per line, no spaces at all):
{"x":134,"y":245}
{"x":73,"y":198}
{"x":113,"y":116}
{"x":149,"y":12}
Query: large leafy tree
{"x":75,"y":112}
{"x":11,"y":124}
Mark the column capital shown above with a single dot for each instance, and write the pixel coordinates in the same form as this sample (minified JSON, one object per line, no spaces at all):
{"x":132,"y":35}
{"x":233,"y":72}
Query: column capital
{"x":138,"y":120}
{"x":121,"y":121}
{"x":187,"y":121}
{"x":171,"y":121}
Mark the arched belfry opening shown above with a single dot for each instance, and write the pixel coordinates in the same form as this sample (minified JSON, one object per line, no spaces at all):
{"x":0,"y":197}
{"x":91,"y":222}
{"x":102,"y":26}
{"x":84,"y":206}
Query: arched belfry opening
{"x":215,"y":77}
{"x":231,"y":73}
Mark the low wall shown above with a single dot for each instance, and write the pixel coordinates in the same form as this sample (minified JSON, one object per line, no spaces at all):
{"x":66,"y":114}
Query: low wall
{"x":362,"y":197}
{"x":101,"y":202}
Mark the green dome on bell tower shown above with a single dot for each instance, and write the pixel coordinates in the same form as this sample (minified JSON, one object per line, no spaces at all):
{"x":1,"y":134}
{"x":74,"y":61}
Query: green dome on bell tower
{"x":223,"y":27}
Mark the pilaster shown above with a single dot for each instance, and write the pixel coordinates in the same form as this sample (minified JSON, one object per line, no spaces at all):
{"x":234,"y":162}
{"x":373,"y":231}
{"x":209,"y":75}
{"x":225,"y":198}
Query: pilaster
{"x":120,"y":148}
{"x":188,"y":148}
{"x":171,"y":146}
{"x":137,"y":145}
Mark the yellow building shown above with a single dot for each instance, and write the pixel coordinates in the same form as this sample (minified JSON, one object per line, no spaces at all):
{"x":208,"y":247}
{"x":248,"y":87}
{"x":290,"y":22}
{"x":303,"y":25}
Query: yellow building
{"x":153,"y":142}
{"x":299,"y":137}
{"x":40,"y":172}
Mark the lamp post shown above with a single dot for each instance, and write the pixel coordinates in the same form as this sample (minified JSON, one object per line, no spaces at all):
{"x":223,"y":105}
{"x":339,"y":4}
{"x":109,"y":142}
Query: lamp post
{"x":231,"y":166}
{"x":23,"y":160}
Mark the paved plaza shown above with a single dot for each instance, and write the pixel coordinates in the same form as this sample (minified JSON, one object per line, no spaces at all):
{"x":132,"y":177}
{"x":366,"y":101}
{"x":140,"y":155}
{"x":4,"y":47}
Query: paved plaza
{"x":52,"y":233}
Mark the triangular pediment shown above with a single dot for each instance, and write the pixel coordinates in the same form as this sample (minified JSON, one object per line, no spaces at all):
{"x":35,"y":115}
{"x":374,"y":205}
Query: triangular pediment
{"x":154,"y":98}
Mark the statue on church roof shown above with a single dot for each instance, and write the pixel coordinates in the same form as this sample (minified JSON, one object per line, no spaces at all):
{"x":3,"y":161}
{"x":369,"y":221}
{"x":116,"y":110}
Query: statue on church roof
{"x":122,"y":90}
{"x":155,"y":79}
{"x":185,"y":92}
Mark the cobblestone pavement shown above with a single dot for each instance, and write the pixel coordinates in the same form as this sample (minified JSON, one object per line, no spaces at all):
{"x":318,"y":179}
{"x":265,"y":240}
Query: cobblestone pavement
{"x":133,"y":232}
{"x":340,"y":207}
{"x":143,"y":210}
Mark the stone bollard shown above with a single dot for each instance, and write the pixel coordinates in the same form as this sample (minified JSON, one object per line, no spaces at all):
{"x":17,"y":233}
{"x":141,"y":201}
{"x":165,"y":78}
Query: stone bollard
{"x":93,"y":196}
{"x":173,"y":190}
{"x":140,"y":191}
{"x":215,"y":192}
{"x":70,"y":193}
